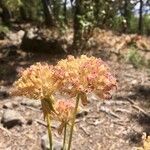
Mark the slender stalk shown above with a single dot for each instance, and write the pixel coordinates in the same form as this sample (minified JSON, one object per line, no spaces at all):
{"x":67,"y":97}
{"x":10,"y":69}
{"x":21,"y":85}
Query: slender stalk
{"x":64,"y":140}
{"x":49,"y":131}
{"x":73,"y":121}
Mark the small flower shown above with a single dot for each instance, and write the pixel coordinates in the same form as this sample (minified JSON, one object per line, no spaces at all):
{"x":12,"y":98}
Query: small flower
{"x":64,"y":113}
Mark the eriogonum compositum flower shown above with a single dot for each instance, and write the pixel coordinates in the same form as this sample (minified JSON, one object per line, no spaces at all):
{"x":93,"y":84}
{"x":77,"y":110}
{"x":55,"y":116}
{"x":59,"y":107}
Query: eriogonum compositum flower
{"x":84,"y":75}
{"x":64,"y":112}
{"x":36,"y":82}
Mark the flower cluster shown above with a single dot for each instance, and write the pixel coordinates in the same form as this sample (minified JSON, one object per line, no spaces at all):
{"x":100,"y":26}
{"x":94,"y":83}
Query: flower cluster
{"x":64,"y":113}
{"x":84,"y":75}
{"x":36,"y":82}
{"x":75,"y":77}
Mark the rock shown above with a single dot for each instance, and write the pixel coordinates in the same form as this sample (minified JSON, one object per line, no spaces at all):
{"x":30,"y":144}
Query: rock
{"x":32,"y":103}
{"x":8,"y":105}
{"x":11,"y":118}
{"x":57,"y":145}
{"x":29,"y":122}
{"x":134,"y":82}
{"x":3,"y":93}
{"x":33,"y":42}
{"x":16,"y":37}
{"x":20,"y":34}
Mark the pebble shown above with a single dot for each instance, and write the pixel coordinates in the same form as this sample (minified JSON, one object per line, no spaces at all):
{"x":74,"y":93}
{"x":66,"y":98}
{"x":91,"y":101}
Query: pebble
{"x":3,"y":94}
{"x":11,"y":118}
{"x":57,"y":145}
{"x":10,"y":105}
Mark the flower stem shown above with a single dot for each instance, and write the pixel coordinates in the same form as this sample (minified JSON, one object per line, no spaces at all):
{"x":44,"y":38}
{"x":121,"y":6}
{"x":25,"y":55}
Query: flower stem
{"x":49,"y":131}
{"x":73,"y":121}
{"x":64,"y":140}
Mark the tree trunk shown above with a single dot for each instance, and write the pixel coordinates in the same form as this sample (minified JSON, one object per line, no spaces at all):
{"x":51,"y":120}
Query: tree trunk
{"x":65,"y":11}
{"x":49,"y":18}
{"x":6,"y":14}
{"x":97,"y":11}
{"x":141,"y":17}
{"x":23,"y":14}
{"x":77,"y":39}
{"x":127,"y":15}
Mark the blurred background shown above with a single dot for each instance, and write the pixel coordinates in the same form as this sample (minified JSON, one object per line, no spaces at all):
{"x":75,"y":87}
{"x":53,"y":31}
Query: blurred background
{"x":118,"y":31}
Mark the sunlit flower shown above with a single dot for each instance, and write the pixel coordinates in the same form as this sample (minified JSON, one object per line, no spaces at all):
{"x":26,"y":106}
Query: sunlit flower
{"x":85,"y":75}
{"x":36,"y":82}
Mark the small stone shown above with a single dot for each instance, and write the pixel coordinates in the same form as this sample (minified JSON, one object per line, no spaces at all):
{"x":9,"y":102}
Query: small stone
{"x":29,"y":122}
{"x":8,"y":105}
{"x":3,"y":94}
{"x":11,"y":118}
{"x":31,"y":103}
{"x":134,"y":82}
{"x":21,"y":33}
{"x":57,"y":145}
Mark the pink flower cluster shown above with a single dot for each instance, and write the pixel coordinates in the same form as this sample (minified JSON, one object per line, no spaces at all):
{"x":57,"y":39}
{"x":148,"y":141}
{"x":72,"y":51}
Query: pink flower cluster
{"x":85,"y":75}
{"x":70,"y":76}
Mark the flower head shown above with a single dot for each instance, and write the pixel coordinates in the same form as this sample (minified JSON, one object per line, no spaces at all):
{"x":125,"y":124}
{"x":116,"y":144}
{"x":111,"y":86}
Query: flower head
{"x":64,"y":110}
{"x":36,"y":82}
{"x":85,"y":75}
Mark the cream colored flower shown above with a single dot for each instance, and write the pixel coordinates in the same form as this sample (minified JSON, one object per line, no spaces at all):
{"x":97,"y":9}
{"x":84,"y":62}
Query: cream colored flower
{"x":36,"y":82}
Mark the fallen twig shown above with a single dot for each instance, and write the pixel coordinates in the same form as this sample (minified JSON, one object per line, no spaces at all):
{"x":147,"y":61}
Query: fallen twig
{"x":109,"y":112}
{"x":122,"y":110}
{"x":44,"y":124}
{"x":32,"y":108}
{"x":84,"y":130}
{"x":131,"y":101}
{"x":119,"y":123}
{"x":141,"y":110}
{"x":41,"y":122}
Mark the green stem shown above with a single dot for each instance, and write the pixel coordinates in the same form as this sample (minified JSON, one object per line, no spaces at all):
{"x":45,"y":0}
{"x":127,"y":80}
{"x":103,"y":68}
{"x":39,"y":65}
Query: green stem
{"x":73,"y":121}
{"x":64,"y":140}
{"x":49,"y":131}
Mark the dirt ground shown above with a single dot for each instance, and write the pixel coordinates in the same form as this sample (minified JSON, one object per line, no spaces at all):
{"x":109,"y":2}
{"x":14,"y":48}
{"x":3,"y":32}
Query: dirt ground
{"x":117,"y":124}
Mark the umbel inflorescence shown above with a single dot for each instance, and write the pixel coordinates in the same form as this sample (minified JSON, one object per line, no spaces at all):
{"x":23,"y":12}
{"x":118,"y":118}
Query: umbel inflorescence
{"x":75,"y":77}
{"x":85,"y":75}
